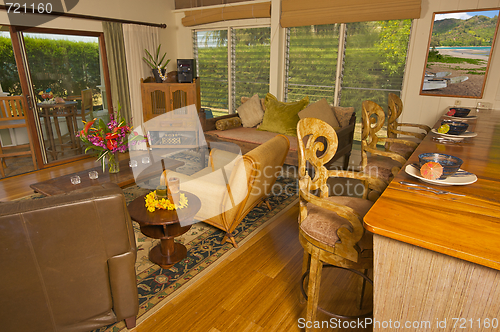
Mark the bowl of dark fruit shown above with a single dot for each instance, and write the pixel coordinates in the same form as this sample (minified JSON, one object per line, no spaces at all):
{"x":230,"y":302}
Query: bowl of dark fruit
{"x":459,"y":112}
{"x":450,"y":164}
{"x":455,"y":127}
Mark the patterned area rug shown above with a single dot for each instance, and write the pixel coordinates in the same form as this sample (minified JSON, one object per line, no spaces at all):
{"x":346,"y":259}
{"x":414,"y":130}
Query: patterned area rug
{"x":157,"y":286}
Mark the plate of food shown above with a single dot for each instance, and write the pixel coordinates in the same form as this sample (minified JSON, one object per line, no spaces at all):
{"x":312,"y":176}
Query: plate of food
{"x":460,"y":178}
{"x":467,"y":134}
{"x":460,"y":118}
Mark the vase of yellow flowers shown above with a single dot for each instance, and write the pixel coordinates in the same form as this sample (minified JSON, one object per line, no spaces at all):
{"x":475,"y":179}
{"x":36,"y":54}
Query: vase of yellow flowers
{"x":107,"y":140}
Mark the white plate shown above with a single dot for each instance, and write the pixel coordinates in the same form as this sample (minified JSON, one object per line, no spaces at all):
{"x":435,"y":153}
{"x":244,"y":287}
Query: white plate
{"x":449,"y":181}
{"x":467,"y":134}
{"x":460,"y":118}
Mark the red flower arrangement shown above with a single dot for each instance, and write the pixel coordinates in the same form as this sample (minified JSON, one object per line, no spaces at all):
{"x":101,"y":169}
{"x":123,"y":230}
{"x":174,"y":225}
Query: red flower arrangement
{"x":105,"y":140}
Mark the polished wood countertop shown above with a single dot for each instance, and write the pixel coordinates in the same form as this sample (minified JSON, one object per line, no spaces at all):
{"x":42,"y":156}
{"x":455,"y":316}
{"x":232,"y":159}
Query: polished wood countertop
{"x":465,"y":227}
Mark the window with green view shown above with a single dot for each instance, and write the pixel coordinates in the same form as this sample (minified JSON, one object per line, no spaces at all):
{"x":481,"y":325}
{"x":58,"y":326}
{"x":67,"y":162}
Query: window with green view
{"x":225,"y":79}
{"x":373,"y":60}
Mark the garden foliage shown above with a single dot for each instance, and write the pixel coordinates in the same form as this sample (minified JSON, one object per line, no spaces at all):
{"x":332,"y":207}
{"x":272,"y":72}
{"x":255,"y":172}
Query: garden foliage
{"x":64,"y":66}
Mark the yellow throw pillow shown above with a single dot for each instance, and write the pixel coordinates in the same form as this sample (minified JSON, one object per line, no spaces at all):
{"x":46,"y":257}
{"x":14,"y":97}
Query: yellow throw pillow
{"x":282,"y":118}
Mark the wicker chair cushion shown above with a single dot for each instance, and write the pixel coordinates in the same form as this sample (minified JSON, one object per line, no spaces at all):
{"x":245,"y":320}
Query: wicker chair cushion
{"x":343,"y":114}
{"x":322,"y":224}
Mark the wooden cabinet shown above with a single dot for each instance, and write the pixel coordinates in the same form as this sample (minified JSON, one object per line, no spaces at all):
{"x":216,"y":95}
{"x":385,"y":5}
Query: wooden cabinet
{"x":161,"y":98}
{"x":171,"y":114}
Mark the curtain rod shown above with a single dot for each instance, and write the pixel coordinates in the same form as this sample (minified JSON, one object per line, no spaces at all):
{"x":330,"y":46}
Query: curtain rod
{"x":95,"y":18}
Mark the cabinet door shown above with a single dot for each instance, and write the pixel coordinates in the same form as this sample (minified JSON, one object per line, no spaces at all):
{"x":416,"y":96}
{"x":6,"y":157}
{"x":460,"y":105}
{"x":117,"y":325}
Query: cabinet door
{"x":155,"y":100}
{"x":182,"y":95}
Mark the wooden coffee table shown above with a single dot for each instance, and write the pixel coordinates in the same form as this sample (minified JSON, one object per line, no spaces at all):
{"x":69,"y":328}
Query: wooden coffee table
{"x":164,"y":225}
{"x":63,"y":185}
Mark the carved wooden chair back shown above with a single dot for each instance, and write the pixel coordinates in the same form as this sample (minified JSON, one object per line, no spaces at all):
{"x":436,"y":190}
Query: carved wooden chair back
{"x":395,"y":109}
{"x":87,"y":105}
{"x":373,"y":118}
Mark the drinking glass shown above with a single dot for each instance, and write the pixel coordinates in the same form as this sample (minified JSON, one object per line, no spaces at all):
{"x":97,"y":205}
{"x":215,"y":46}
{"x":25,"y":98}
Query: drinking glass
{"x":75,"y":179}
{"x":145,"y":160}
{"x":132,"y":163}
{"x":93,"y":175}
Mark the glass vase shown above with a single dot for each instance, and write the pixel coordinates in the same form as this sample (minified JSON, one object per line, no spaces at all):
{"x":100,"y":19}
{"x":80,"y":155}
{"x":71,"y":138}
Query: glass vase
{"x":113,"y":163}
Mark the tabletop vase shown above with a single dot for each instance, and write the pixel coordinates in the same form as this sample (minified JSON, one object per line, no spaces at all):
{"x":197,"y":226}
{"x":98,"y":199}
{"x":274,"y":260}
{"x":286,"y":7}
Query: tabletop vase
{"x":113,"y":163}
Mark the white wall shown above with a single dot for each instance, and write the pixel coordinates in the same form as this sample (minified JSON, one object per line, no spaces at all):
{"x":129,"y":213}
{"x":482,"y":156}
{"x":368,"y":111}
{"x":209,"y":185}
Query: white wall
{"x":427,"y":109}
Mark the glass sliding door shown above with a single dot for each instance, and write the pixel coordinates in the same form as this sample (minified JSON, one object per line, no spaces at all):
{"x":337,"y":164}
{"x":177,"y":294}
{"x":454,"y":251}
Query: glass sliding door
{"x":44,"y":66}
{"x":68,"y":67}
{"x":12,"y":139}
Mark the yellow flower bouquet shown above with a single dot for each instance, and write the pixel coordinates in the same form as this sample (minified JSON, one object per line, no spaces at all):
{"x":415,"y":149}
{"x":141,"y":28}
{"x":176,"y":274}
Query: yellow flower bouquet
{"x":152,"y":202}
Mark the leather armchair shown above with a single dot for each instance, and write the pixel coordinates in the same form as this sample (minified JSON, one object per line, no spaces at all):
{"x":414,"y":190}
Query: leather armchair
{"x":68,"y":262}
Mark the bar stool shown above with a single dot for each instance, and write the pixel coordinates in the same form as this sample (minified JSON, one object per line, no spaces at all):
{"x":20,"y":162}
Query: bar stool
{"x":394,"y":128}
{"x":330,"y":227}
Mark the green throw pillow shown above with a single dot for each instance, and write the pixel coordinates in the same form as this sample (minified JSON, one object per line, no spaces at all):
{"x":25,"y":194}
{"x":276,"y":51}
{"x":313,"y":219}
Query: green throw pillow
{"x":282,"y":118}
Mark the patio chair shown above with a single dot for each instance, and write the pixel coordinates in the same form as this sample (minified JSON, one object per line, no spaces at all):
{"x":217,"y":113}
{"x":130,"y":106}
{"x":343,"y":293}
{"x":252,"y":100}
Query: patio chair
{"x":13,"y":115}
{"x":87,"y":105}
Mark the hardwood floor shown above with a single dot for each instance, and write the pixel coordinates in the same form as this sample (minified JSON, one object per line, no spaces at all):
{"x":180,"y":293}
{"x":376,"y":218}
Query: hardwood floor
{"x":255,"y":289}
{"x":19,"y":186}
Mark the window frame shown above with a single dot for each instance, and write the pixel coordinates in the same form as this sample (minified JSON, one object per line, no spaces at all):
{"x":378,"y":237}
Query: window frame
{"x":340,"y":65}
{"x":229,"y":26}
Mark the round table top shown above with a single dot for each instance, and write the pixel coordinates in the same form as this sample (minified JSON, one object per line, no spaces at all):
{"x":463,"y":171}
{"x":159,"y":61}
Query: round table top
{"x":138,"y":211}
{"x":57,"y":105}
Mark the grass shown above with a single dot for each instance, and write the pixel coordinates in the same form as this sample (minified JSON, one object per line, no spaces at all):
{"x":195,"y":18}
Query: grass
{"x":451,"y":59}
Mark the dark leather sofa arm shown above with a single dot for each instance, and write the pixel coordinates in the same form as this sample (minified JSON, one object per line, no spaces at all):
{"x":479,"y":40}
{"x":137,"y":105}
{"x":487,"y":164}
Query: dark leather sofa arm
{"x":70,"y":261}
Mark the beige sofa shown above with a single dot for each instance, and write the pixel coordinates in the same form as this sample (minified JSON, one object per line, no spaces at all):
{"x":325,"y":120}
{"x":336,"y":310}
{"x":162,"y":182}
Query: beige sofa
{"x":233,"y":184}
{"x":250,"y":138}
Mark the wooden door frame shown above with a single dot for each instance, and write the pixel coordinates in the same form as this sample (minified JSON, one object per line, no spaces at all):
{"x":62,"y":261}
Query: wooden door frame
{"x":16,"y":45}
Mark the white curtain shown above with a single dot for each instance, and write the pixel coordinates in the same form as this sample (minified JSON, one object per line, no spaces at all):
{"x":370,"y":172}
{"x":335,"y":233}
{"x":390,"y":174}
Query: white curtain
{"x":137,"y":39}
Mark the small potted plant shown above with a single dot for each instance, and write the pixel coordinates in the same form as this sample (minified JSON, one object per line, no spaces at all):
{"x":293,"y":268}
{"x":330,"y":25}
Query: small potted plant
{"x":157,"y":64}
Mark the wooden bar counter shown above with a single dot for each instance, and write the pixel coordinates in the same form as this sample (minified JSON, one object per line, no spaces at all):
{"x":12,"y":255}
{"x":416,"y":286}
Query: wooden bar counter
{"x":437,"y":257}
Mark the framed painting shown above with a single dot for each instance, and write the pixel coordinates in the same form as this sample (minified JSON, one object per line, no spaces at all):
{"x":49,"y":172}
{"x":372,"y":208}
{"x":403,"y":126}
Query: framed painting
{"x":459,"y":53}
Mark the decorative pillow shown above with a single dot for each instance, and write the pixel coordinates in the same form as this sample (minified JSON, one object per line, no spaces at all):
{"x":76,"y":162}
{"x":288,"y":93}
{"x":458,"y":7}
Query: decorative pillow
{"x":343,"y":114}
{"x":282,"y":118}
{"x":245,"y":99}
{"x":251,"y":112}
{"x":320,"y":110}
{"x":225,"y":124}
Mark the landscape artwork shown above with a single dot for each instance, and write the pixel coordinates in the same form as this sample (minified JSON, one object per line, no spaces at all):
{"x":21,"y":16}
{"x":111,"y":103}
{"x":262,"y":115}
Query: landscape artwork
{"x":459,"y":51}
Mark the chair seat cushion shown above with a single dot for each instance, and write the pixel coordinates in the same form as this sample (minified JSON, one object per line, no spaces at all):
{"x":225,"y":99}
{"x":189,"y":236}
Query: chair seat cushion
{"x":381,"y":167}
{"x":401,"y":149}
{"x":322,"y":224}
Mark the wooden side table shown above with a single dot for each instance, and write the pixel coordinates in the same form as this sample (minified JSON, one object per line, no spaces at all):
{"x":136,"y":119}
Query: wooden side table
{"x":164,"y":225}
